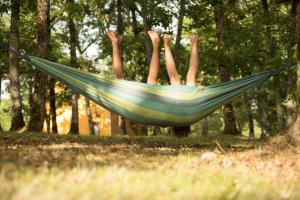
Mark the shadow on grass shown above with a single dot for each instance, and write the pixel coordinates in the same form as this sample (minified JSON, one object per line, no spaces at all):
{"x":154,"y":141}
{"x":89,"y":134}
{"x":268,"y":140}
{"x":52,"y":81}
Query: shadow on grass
{"x":36,"y":150}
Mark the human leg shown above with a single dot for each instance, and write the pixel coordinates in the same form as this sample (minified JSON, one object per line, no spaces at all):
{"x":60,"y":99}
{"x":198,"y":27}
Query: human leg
{"x":170,"y":63}
{"x":154,"y":64}
{"x":193,"y":66}
{"x":116,"y":59}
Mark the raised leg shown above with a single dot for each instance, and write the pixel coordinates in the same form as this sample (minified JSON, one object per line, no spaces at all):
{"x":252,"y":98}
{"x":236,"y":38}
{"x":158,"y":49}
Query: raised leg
{"x":154,"y":64}
{"x":116,"y":59}
{"x":193,"y":66}
{"x":170,"y":63}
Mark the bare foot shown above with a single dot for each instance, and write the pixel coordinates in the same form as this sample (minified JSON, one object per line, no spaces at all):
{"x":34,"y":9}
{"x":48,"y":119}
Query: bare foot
{"x":167,"y":39}
{"x":154,"y":37}
{"x":112,"y":36}
{"x":194,"y":38}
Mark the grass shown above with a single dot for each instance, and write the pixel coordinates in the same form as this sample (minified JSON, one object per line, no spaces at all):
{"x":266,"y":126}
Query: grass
{"x":43,"y":166}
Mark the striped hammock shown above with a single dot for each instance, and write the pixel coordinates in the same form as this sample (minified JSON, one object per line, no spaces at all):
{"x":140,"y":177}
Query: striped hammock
{"x":150,"y":104}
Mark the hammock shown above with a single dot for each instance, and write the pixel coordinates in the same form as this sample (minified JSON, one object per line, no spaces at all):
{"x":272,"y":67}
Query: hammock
{"x":151,"y":104}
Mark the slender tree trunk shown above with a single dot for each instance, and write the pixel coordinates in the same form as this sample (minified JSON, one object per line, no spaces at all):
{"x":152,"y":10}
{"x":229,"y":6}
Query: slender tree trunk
{"x":141,"y":129}
{"x":276,"y":80}
{"x":17,"y":121}
{"x":53,"y":104}
{"x":184,"y":130}
{"x":89,"y":116}
{"x":1,"y":130}
{"x":179,"y":33}
{"x":134,"y":20}
{"x":294,"y":132}
{"x":250,"y":115}
{"x":279,"y":108}
{"x":38,"y":108}
{"x":147,"y":28}
{"x":290,"y":50}
{"x":204,"y":122}
{"x":74,"y":128}
{"x":229,"y":118}
{"x":263,"y":108}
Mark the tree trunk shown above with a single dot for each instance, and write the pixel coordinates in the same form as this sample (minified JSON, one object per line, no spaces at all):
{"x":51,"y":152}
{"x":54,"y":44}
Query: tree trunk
{"x":276,"y":80}
{"x":147,"y":28}
{"x":1,"y":130}
{"x":114,"y":123}
{"x":290,"y":50}
{"x":279,"y":109}
{"x":294,"y":132}
{"x":229,"y":118}
{"x":17,"y":121}
{"x":263,"y":108}
{"x":134,"y":20}
{"x":250,"y":115}
{"x":74,"y":128}
{"x":38,"y":108}
{"x":179,"y":33}
{"x":89,"y":116}
{"x":53,"y":104}
{"x":204,"y":124}
{"x":141,"y":129}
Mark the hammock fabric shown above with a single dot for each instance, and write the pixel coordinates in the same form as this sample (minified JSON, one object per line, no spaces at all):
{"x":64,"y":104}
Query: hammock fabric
{"x":151,"y":104}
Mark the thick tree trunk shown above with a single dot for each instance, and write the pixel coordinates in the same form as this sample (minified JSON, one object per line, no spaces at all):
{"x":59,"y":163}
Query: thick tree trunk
{"x":38,"y":108}
{"x":53,"y":104}
{"x":294,"y":131}
{"x":229,"y":118}
{"x":17,"y":121}
{"x":74,"y":128}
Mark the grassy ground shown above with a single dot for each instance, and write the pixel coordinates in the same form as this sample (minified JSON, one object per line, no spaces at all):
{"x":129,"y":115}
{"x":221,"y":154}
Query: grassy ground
{"x":42,"y":166}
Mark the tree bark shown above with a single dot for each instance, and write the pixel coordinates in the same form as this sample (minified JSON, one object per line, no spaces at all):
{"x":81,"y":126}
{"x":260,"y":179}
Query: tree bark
{"x":276,"y":80}
{"x":290,"y":50}
{"x":147,"y":27}
{"x":1,"y":130}
{"x":141,"y":129}
{"x":279,"y":108}
{"x":179,"y":34}
{"x":89,"y":116}
{"x":250,"y":115}
{"x":294,"y":132}
{"x":228,"y":112}
{"x":17,"y":121}
{"x":74,"y":128}
{"x":38,"y":108}
{"x":263,"y":108}
{"x":53,"y":104}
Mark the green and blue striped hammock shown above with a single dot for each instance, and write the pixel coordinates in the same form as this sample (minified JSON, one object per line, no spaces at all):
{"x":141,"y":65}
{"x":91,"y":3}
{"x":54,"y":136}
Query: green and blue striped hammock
{"x":151,"y":104}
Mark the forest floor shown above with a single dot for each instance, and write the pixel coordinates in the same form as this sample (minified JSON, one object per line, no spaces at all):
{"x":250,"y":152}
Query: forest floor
{"x":45,"y":166}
